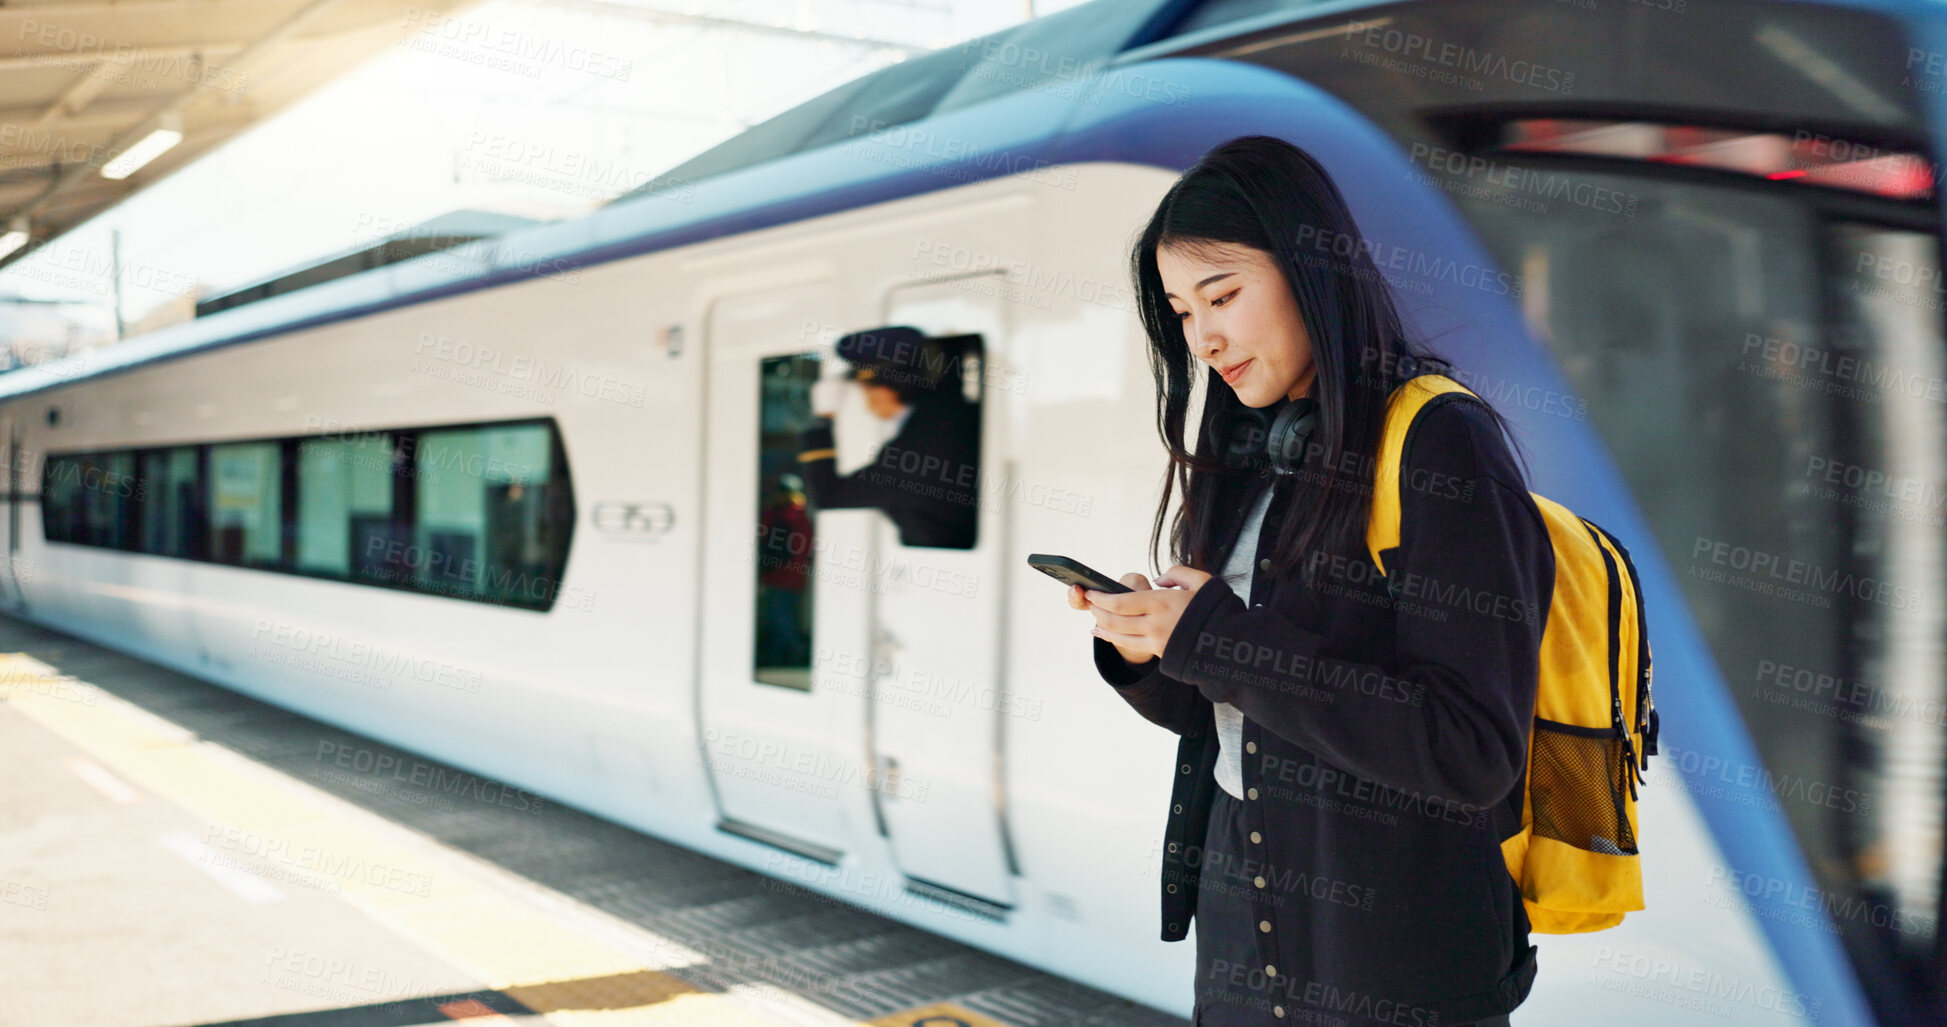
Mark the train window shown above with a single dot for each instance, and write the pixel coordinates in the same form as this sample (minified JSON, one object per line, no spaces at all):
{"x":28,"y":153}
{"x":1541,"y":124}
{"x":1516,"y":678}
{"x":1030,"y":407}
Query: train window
{"x":172,"y":510}
{"x":61,"y":506}
{"x":491,"y":515}
{"x":246,"y":494}
{"x":109,"y":498}
{"x":895,"y":95}
{"x":782,"y":651}
{"x":345,"y":525}
{"x":101,"y":499}
{"x":482,"y":512}
{"x":1064,"y":53}
{"x":1770,"y":379}
{"x":90,"y":499}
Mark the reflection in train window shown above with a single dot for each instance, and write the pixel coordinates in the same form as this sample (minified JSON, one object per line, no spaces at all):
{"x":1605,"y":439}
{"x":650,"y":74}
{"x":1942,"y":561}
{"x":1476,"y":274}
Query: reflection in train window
{"x":485,"y":511}
{"x":92,"y":498}
{"x":246,"y":503}
{"x":477,"y":512}
{"x":1770,"y":383}
{"x":344,"y":522}
{"x":781,"y":654}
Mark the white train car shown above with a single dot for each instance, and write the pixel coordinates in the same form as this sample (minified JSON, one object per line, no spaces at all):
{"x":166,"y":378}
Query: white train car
{"x":506,"y":505}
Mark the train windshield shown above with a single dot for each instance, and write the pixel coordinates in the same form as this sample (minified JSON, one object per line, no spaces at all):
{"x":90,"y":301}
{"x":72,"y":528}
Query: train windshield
{"x":1751,"y":308}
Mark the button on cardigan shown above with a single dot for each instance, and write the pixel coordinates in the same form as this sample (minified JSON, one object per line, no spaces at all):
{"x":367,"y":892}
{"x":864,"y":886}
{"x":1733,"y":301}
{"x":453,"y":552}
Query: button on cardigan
{"x":1386,"y":724}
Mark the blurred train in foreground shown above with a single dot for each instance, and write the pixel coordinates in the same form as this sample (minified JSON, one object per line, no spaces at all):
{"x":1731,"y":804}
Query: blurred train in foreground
{"x":510,"y":505}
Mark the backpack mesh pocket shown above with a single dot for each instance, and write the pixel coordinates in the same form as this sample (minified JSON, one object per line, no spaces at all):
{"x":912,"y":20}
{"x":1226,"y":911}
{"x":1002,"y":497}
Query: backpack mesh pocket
{"x":1577,"y":788}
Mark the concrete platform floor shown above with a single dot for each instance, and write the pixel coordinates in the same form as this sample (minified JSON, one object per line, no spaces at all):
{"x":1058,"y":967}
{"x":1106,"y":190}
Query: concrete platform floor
{"x":173,"y":854}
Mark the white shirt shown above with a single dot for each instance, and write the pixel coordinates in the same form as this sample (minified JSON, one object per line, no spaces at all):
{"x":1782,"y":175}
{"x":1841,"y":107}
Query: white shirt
{"x":1230,"y":720}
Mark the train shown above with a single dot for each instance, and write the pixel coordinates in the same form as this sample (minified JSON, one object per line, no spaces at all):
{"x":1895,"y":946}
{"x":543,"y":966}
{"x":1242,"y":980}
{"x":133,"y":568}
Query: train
{"x":510,"y":505}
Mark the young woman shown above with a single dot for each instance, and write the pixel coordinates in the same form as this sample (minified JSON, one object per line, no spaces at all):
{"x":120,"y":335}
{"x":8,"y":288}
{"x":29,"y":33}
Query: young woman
{"x":1352,"y":744}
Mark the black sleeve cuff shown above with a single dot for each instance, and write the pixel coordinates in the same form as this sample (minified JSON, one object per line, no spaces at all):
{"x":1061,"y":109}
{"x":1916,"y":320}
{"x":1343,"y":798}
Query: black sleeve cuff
{"x":1180,"y":650}
{"x":1118,"y":671}
{"x":1225,"y":649}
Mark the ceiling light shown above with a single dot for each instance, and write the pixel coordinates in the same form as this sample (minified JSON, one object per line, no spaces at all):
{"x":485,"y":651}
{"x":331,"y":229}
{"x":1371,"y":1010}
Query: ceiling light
{"x":167,"y":133}
{"x":14,"y":237}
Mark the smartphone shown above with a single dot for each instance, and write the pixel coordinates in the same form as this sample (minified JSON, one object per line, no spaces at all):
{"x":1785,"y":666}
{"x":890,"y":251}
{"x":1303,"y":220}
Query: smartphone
{"x":1074,"y":572}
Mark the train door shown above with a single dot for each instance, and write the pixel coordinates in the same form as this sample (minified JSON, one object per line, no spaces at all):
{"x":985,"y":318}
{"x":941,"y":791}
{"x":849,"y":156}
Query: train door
{"x":937,"y":718}
{"x":781,"y":731}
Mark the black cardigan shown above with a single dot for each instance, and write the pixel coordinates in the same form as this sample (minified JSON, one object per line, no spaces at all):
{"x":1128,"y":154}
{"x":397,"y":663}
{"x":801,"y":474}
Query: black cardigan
{"x":1385,"y":736}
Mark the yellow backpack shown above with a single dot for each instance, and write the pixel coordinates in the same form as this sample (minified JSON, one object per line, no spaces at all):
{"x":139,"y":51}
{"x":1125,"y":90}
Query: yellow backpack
{"x":1575,"y":856}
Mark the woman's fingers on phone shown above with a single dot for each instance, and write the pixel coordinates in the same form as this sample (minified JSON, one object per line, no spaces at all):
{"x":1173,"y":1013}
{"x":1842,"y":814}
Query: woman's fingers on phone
{"x":1183,"y":576}
{"x":1082,"y":597}
{"x":1134,"y":580}
{"x":1104,"y":601}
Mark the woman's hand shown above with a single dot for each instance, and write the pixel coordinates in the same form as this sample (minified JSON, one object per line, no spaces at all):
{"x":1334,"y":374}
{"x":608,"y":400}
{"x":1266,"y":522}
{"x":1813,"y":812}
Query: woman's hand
{"x":1139,"y":623}
{"x":1078,"y":597}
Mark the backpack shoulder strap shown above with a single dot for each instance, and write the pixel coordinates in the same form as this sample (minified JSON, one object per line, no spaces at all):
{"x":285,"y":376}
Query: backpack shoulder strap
{"x":1405,"y":404}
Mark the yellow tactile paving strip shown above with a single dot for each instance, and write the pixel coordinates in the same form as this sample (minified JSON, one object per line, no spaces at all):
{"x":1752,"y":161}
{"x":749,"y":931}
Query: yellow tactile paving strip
{"x":433,"y":896}
{"x":615,"y":991}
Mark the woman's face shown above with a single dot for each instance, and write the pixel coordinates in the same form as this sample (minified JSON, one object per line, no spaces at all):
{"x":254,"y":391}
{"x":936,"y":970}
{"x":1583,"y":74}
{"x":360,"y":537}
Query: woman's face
{"x":1238,"y":314}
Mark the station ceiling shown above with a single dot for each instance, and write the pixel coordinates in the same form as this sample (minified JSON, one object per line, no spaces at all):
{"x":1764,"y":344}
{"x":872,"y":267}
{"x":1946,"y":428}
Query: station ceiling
{"x":83,"y":81}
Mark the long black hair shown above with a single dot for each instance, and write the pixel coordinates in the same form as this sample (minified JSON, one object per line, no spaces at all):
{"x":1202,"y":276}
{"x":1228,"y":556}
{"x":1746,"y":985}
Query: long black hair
{"x":1270,"y":195}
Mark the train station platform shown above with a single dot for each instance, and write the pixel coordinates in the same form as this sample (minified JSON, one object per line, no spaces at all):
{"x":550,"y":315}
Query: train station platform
{"x":173,"y":854}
